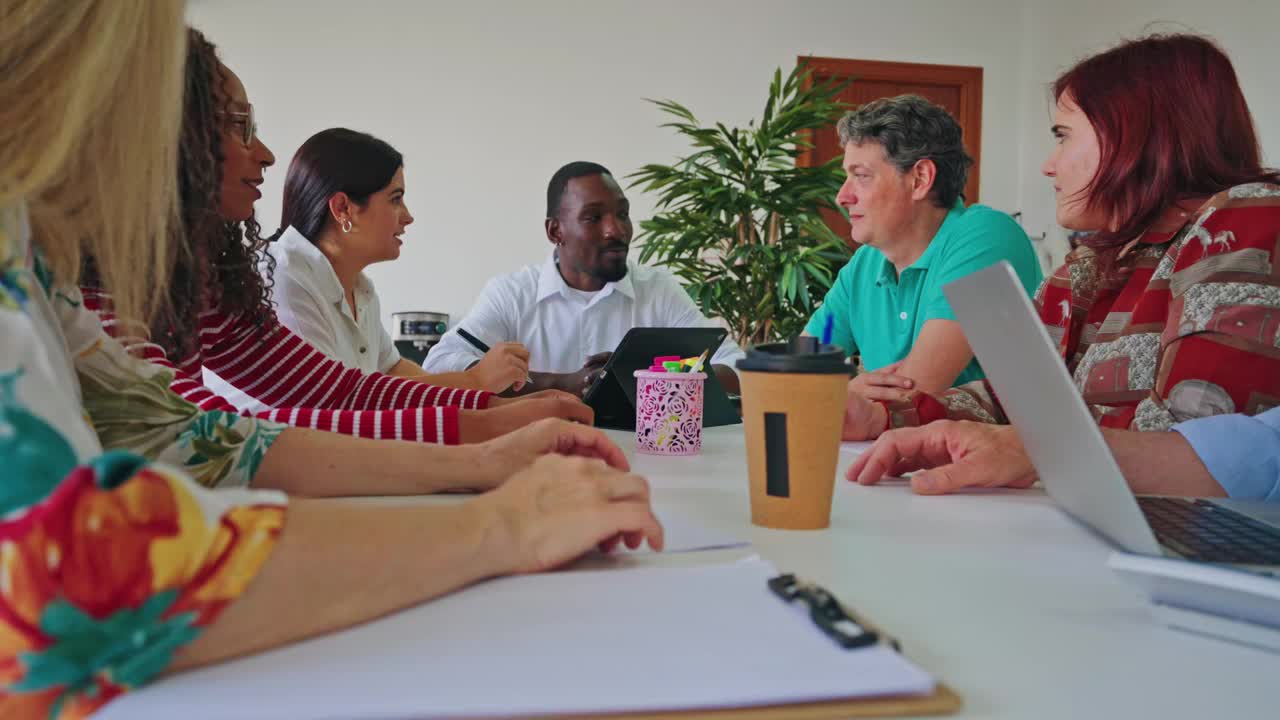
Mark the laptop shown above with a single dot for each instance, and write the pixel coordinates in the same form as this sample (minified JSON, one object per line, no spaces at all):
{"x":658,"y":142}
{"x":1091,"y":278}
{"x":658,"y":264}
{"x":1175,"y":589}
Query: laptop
{"x":613,"y":395}
{"x":1067,"y":448}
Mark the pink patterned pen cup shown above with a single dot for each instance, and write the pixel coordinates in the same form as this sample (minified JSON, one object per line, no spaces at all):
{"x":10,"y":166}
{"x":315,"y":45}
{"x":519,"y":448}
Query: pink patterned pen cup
{"x":669,"y":412}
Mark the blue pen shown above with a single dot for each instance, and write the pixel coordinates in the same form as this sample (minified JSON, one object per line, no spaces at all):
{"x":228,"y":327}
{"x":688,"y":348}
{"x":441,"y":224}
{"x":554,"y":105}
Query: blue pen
{"x":827,"y":328}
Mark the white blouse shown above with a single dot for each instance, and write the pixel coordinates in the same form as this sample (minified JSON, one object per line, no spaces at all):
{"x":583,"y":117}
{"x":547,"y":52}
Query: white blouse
{"x":310,"y":302}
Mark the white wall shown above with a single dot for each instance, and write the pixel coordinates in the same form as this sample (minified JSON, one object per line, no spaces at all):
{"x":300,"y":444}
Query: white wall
{"x":1062,"y":33}
{"x":486,"y":99}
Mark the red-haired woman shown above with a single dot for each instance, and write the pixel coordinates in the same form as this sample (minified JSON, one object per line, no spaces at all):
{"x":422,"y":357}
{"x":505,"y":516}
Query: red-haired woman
{"x":1171,"y":310}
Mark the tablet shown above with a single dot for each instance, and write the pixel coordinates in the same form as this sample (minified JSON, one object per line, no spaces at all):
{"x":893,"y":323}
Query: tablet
{"x":613,"y":395}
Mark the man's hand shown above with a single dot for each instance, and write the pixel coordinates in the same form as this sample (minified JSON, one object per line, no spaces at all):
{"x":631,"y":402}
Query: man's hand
{"x":579,"y":381}
{"x":883,"y":384}
{"x":953,"y":455}
{"x":863,"y":419}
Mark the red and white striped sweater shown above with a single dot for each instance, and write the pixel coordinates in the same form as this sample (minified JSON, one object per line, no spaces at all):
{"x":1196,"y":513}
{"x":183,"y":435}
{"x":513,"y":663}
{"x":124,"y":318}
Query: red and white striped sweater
{"x":305,"y":387}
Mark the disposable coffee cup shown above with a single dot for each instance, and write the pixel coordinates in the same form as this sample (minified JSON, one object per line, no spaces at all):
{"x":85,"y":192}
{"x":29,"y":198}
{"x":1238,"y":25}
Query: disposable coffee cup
{"x":793,"y":399}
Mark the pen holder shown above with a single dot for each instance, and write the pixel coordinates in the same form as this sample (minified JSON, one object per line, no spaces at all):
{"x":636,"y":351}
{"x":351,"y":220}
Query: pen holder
{"x":669,"y":413}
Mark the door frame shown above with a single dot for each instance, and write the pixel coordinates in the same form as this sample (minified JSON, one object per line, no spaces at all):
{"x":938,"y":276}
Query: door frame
{"x":967,"y":78}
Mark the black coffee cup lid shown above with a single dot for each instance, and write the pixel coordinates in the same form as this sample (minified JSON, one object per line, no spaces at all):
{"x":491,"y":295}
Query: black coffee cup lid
{"x":801,"y":355}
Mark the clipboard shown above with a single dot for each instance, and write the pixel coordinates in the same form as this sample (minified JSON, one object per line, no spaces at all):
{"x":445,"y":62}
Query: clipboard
{"x":603,"y":666}
{"x":943,"y":700}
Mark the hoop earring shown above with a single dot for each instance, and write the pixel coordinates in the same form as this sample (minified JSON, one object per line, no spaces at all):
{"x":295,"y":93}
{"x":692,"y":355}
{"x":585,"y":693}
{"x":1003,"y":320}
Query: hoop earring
{"x":346,"y":225}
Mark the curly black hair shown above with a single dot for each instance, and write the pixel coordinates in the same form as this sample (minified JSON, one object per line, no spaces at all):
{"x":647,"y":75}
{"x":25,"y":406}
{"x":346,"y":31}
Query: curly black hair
{"x":216,"y":261}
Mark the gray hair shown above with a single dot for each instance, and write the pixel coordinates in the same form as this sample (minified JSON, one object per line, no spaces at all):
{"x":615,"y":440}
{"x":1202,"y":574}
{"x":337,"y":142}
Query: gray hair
{"x":911,"y":129}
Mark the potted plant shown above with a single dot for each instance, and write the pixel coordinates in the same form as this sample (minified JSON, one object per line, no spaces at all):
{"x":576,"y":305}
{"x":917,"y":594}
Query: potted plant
{"x":738,"y":221}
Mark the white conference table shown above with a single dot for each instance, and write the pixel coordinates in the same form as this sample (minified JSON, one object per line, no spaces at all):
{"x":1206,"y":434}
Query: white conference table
{"x":997,"y":593}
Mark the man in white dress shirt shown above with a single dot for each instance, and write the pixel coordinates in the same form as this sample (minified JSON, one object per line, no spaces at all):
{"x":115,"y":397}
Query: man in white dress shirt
{"x":572,"y":310}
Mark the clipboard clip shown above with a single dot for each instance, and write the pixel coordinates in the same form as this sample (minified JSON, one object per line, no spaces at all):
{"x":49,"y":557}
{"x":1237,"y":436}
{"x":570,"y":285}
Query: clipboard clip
{"x":827,"y":613}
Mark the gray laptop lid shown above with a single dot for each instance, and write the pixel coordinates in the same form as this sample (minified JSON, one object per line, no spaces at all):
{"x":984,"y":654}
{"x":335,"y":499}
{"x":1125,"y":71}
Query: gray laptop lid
{"x":1039,"y":396}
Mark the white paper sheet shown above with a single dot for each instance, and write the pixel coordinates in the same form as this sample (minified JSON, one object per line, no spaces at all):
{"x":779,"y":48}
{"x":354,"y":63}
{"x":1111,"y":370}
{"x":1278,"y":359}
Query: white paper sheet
{"x":682,"y":533}
{"x":856,"y":447}
{"x":641,"y":639}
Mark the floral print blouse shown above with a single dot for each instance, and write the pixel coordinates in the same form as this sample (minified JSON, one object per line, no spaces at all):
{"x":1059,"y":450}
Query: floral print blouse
{"x":1180,"y":323}
{"x":109,"y":562}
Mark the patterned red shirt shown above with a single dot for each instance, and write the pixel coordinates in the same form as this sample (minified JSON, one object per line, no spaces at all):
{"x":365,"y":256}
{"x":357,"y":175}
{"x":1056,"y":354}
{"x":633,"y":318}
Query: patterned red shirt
{"x":305,"y":387}
{"x":1182,"y":322}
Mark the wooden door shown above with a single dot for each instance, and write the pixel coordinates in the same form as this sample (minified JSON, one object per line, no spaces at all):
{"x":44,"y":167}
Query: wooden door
{"x":956,"y":88}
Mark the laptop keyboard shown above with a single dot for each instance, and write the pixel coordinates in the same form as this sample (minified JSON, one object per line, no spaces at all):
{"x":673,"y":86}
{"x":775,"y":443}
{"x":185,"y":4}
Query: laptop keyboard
{"x":1201,"y":530}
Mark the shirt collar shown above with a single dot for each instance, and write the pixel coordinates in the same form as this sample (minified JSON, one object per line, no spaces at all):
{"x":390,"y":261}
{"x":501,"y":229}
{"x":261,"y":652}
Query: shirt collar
{"x":551,"y":283}
{"x":888,"y":274}
{"x":295,"y":249}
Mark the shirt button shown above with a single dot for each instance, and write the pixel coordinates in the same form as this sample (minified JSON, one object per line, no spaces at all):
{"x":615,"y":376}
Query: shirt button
{"x":362,"y":349}
{"x":902,"y":316}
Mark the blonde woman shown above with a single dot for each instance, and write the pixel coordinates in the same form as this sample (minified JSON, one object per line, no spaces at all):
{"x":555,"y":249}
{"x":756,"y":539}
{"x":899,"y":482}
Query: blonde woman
{"x":114,"y":569}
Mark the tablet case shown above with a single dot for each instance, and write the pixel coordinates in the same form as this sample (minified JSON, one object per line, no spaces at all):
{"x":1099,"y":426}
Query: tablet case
{"x":613,"y":396}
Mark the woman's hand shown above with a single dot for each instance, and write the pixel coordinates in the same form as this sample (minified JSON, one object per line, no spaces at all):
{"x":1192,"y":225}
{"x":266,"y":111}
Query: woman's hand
{"x":504,"y":456}
{"x":559,"y":508}
{"x":506,"y":365}
{"x":506,"y":415}
{"x":560,"y":395}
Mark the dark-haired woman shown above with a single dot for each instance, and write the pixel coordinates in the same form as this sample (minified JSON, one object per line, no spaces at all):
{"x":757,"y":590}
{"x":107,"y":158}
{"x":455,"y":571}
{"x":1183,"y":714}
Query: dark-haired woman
{"x":1171,"y":309}
{"x":344,"y":210}
{"x":219,"y":314}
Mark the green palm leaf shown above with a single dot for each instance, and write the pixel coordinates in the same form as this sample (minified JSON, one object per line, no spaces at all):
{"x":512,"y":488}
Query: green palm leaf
{"x":738,"y":222}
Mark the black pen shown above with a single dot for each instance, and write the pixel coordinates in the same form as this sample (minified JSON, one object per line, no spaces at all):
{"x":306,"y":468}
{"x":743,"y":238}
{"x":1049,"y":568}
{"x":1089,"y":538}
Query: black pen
{"x":478,"y":344}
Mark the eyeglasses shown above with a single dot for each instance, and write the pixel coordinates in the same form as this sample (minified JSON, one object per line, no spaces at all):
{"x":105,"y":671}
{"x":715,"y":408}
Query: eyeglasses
{"x":244,"y":122}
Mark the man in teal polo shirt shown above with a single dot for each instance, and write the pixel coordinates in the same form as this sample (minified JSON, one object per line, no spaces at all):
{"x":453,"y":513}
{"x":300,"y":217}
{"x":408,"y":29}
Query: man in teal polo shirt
{"x":906,"y":167}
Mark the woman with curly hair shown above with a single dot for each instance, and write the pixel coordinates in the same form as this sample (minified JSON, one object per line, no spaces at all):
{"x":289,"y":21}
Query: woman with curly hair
{"x":219,"y":313}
